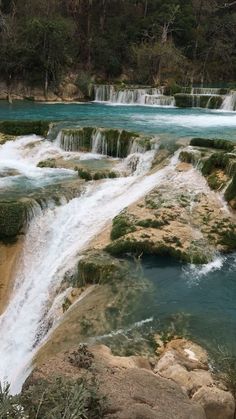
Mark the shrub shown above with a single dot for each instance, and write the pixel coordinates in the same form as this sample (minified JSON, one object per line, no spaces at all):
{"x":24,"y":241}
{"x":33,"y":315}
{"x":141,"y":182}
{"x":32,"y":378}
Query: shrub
{"x":62,"y":399}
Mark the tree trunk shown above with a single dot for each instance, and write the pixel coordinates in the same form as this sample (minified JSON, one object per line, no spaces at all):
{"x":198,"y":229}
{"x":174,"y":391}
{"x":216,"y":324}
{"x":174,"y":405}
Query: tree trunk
{"x":46,"y":85}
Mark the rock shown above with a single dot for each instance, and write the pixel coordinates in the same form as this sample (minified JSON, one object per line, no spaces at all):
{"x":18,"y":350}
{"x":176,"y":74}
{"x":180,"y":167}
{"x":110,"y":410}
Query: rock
{"x":130,"y":388}
{"x":218,"y":404}
{"x":138,"y":393}
{"x":17,"y":128}
{"x":177,"y":219}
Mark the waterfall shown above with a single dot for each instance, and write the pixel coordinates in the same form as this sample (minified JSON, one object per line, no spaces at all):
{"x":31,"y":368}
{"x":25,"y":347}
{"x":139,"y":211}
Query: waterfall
{"x":160,"y":100}
{"x":207,"y":91}
{"x":51,"y":247}
{"x":229,"y":103}
{"x":132,"y":96}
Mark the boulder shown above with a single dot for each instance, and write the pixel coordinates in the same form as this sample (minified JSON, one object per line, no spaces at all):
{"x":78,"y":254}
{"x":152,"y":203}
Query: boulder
{"x":217,"y":403}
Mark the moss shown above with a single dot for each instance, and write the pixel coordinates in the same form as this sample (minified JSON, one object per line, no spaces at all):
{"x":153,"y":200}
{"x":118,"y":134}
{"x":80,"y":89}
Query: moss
{"x":129,"y":245}
{"x":228,"y":239}
{"x":185,"y":100}
{"x":13,"y":217}
{"x":24,"y":127}
{"x":230,"y":192}
{"x":214,"y":182}
{"x":100,"y":268}
{"x":149,"y":223}
{"x":84,"y":174}
{"x":121,"y":225}
{"x":215,"y":161}
{"x":112,"y":175}
{"x":49,"y":163}
{"x":217,"y":143}
{"x":187,"y":156}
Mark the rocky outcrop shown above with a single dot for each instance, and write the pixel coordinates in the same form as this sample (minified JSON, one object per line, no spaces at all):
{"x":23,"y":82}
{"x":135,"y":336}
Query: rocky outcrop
{"x":68,"y":91}
{"x":17,"y":212}
{"x":106,"y":141}
{"x":187,"y":364}
{"x":185,"y":100}
{"x":130,"y":387}
{"x":216,"y":159}
{"x":17,"y":128}
{"x":177,"y":219}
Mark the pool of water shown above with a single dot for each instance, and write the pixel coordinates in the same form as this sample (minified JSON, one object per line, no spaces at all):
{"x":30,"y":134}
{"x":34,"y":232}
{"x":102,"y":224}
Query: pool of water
{"x":171,"y":122}
{"x":198,"y":302}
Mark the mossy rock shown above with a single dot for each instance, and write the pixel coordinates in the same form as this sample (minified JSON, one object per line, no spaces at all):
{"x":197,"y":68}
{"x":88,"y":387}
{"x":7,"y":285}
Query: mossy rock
{"x":230,"y":193}
{"x":90,"y":175}
{"x":13,"y":218}
{"x":217,"y":143}
{"x":185,"y":100}
{"x":116,"y":143}
{"x":122,"y":225}
{"x":99,"y":267}
{"x":228,"y":239}
{"x":50,"y":163}
{"x":187,"y":156}
{"x":130,"y":245}
{"x":19,"y":128}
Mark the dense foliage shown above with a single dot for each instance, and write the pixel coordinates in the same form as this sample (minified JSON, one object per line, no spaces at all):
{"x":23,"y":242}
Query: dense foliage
{"x":59,"y":399}
{"x":148,"y":41}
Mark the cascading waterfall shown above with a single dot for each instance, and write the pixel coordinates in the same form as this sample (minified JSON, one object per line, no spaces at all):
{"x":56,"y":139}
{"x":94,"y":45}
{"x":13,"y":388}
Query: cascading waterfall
{"x":209,"y":91}
{"x":132,"y":96}
{"x":229,"y":103}
{"x":51,"y":247}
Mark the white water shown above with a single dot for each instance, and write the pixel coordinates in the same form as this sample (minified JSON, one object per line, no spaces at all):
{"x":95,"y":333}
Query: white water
{"x":51,"y":247}
{"x":53,"y":243}
{"x":229,"y":103}
{"x":133,"y":96}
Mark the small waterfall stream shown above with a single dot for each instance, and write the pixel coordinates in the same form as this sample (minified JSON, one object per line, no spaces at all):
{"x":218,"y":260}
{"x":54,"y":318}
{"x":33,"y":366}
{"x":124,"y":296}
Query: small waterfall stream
{"x":229,"y":103}
{"x":133,"y":96}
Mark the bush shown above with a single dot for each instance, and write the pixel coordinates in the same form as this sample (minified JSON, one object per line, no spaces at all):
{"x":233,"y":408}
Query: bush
{"x":62,"y":399}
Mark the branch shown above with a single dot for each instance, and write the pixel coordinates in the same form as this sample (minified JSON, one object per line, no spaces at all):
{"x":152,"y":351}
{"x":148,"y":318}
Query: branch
{"x":226,"y":5}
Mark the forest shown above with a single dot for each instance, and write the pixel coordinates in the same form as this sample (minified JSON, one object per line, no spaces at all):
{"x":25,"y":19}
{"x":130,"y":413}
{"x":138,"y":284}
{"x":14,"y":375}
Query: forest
{"x":138,"y":41}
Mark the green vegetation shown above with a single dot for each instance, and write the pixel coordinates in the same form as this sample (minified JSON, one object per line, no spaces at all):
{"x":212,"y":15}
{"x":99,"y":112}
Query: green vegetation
{"x":184,"y":100}
{"x":60,"y":398}
{"x":121,"y":225}
{"x":24,"y":127}
{"x":213,"y":143}
{"x":230,"y":192}
{"x":89,"y":175}
{"x":99,"y":268}
{"x":50,"y":163}
{"x":13,"y":217}
{"x":147,"y":41}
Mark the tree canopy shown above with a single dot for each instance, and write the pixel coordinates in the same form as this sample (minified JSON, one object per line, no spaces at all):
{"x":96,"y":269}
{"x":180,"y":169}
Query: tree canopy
{"x":147,"y":40}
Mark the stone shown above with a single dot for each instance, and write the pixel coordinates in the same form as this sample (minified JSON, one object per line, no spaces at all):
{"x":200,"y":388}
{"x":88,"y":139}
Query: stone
{"x":217,"y":403}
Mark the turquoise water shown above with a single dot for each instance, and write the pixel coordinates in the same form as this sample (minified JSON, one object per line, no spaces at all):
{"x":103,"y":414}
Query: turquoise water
{"x":197,"y":301}
{"x":173,"y":122}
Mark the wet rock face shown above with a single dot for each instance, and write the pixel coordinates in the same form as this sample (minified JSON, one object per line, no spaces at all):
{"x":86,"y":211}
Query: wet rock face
{"x":17,"y":212}
{"x":217,"y":161}
{"x":13,"y":218}
{"x":106,"y":141}
{"x":186,"y":363}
